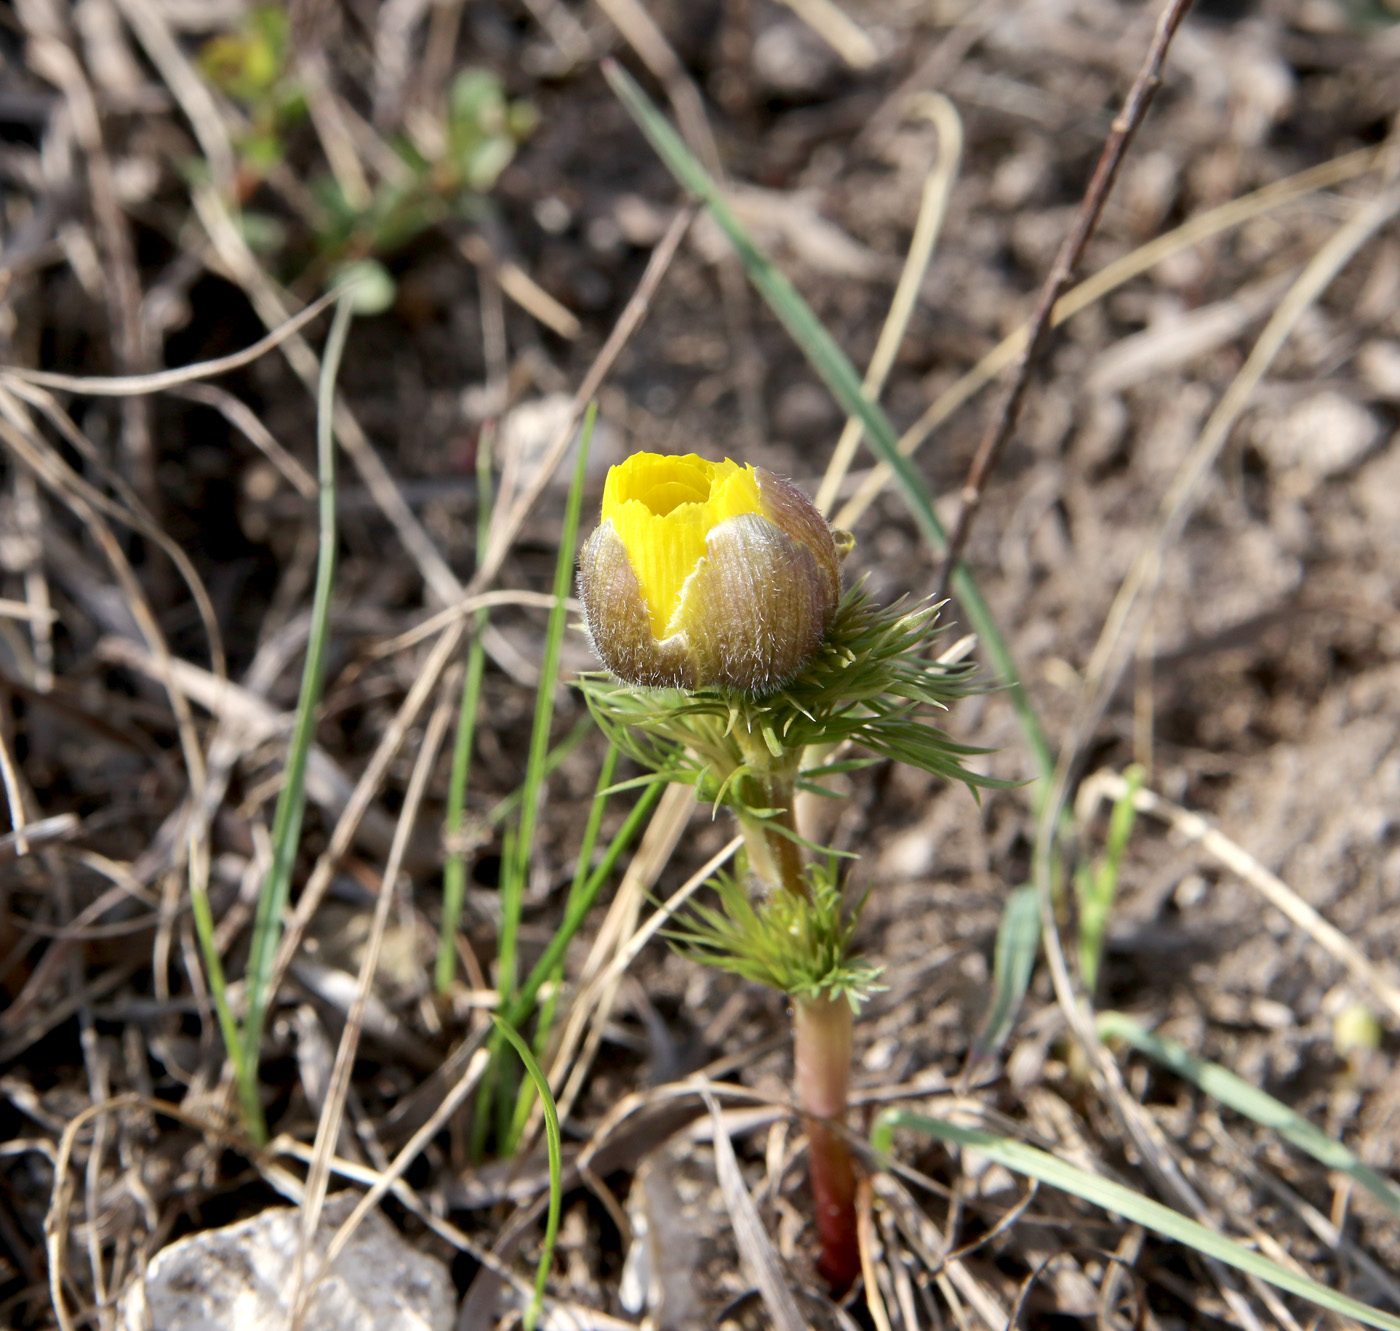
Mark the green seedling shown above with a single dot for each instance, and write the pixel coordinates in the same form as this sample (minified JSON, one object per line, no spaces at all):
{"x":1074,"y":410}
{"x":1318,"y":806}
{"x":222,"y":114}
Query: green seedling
{"x":1096,"y":882}
{"x":447,"y":180}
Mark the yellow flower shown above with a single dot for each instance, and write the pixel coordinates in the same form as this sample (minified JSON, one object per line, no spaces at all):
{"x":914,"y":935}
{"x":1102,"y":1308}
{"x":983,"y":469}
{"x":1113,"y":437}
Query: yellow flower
{"x":707,"y":574}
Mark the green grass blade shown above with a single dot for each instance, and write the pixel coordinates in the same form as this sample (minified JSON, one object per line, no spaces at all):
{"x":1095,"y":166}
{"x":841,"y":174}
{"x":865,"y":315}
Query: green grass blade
{"x":580,"y":905}
{"x":1233,"y":1091}
{"x":1097,"y":884}
{"x":454,"y":873}
{"x":840,"y":376}
{"x":556,"y":1166}
{"x":508,"y":804}
{"x":1132,"y":1206}
{"x":515,"y":866}
{"x":595,"y":823}
{"x":550,"y":964}
{"x":492,"y":1078}
{"x":218,"y":992}
{"x":291,"y":802}
{"x":555,"y":969}
{"x":515,"y":874}
{"x":1017,"y":946}
{"x":583,"y":892}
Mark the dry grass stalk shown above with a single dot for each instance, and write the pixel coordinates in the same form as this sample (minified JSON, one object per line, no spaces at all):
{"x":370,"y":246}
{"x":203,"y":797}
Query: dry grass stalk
{"x":1110,"y":162}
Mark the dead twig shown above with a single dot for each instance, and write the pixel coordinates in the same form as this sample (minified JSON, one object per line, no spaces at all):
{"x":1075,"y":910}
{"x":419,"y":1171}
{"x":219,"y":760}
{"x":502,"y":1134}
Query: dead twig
{"x":838,"y":30}
{"x":60,"y":827}
{"x":1195,"y":231}
{"x":1111,"y":654}
{"x":53,"y":58}
{"x":272,"y":306}
{"x":756,"y":1255}
{"x":239,"y":415}
{"x":865,"y":1233}
{"x":999,"y":430}
{"x":132,"y":385}
{"x":328,"y":1128}
{"x":516,"y":283}
{"x":642,"y":34}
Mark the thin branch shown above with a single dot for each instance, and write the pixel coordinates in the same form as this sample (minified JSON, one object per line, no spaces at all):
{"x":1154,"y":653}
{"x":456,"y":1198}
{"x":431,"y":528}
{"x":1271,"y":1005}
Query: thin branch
{"x":1094,"y":288}
{"x":1000,"y":429}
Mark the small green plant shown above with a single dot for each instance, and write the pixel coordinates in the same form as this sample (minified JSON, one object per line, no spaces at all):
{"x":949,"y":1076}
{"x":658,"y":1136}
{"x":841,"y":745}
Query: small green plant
{"x":243,"y":1042}
{"x":1096,"y":881}
{"x":479,"y":138}
{"x":1019,"y":936}
{"x":722,"y":586}
{"x":445,"y":176}
{"x":801,"y":944}
{"x":250,"y":66}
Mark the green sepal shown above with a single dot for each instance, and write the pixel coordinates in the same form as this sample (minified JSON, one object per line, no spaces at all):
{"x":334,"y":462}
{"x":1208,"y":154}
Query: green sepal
{"x":870,"y":683}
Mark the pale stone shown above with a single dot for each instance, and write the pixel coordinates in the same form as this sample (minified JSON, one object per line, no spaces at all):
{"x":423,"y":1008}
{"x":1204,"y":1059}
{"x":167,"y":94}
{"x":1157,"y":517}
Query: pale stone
{"x":238,"y":1279}
{"x":1320,"y":436}
{"x":1379,"y":363}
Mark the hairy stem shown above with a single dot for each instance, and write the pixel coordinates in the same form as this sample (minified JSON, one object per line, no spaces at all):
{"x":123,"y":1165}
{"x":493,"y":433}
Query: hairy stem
{"x":821,"y":1028}
{"x":821,"y":1031}
{"x":775,"y":858}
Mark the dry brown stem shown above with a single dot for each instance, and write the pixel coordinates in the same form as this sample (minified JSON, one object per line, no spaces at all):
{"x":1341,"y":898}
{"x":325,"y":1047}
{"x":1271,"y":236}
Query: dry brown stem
{"x":1003,"y":422}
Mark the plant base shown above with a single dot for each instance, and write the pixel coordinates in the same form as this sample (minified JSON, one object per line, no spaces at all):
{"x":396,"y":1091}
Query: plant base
{"x":822,"y":1049}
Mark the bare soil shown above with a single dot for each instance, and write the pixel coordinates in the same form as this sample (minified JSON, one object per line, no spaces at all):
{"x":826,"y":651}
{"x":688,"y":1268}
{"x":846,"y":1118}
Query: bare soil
{"x":1264,"y":694}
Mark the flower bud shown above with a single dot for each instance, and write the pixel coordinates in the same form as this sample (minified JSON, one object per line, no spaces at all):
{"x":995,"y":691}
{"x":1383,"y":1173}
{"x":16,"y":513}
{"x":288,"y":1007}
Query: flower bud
{"x":707,"y":575}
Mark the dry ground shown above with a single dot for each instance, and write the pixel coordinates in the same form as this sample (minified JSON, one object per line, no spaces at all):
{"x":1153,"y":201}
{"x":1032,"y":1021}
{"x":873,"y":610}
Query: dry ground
{"x":1264,"y":691}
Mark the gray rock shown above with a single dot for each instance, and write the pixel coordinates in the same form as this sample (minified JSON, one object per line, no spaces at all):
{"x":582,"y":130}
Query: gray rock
{"x":1319,"y":437}
{"x":791,"y":60}
{"x":237,"y":1279}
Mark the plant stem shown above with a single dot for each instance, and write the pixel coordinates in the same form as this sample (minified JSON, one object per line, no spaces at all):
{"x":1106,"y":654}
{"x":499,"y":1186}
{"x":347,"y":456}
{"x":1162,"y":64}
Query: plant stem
{"x":821,"y":1033}
{"x":775,"y":858}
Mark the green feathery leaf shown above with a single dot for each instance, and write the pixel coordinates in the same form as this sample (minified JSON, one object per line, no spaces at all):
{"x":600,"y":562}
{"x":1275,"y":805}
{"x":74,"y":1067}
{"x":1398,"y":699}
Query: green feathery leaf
{"x":802,"y":946}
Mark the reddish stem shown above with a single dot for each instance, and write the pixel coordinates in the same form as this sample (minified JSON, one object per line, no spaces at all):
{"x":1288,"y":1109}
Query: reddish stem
{"x":821,"y":1033}
{"x":822,"y":1046}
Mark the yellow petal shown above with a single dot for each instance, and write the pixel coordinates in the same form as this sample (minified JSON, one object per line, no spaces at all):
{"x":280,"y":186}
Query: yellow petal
{"x":662,"y":509}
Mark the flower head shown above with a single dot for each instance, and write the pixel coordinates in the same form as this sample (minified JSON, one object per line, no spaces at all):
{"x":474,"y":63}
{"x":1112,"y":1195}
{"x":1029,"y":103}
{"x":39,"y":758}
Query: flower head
{"x":707,"y":574}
